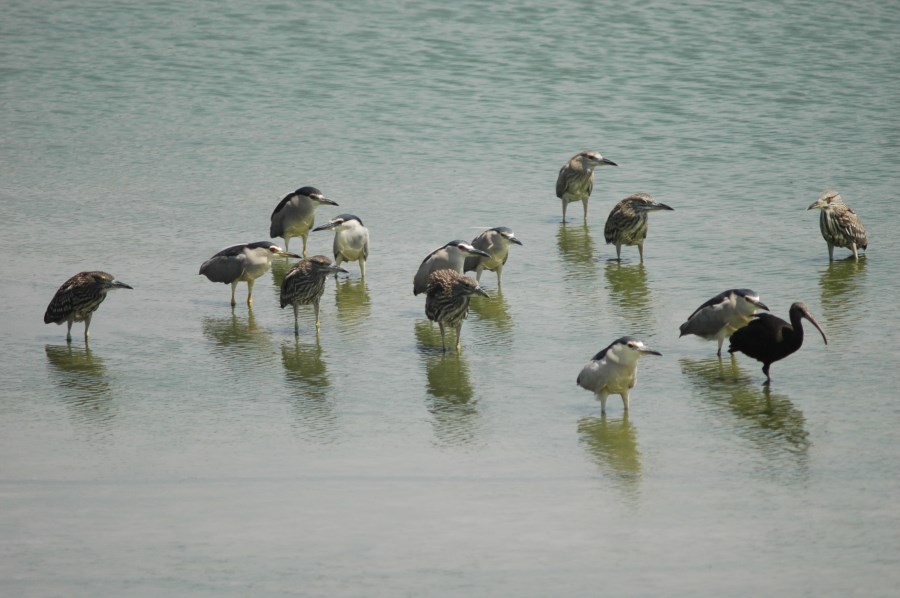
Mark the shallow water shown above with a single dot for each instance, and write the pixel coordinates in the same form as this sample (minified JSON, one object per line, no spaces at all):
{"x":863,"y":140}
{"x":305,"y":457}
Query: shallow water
{"x":196,"y":449}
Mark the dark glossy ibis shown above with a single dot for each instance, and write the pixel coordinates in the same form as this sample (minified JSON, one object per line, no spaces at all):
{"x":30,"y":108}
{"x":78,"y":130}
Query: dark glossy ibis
{"x":769,"y":339}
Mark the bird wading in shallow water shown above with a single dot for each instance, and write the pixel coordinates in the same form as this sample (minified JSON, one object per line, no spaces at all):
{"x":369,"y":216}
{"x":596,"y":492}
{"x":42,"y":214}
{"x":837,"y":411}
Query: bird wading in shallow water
{"x":769,"y":339}
{"x":576,"y":179}
{"x":721,"y":316}
{"x":447,"y":300}
{"x":351,"y":240}
{"x":614,"y":370}
{"x":495,"y":242}
{"x":295,"y":214}
{"x":452,"y":255}
{"x":840,"y":225}
{"x":305,"y":283}
{"x":627,"y":222}
{"x":242,"y":262}
{"x":78,"y":298}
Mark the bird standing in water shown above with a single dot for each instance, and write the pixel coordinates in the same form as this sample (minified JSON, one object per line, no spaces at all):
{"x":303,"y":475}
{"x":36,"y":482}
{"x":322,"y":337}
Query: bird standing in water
{"x":447,"y":300}
{"x":295,"y":214}
{"x":351,"y":240}
{"x":242,"y":262}
{"x":769,"y":339}
{"x":719,"y":317}
{"x":614,"y":370}
{"x":452,"y":255}
{"x":305,"y":283}
{"x":495,"y":242}
{"x":576,"y":179}
{"x":840,"y":225}
{"x":627,"y":222}
{"x":78,"y":298}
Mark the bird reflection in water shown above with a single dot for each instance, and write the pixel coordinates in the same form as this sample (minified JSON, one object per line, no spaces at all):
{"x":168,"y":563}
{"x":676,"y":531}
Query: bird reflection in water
{"x":352,"y":302}
{"x":841,"y":286}
{"x":493,"y":319}
{"x":577,"y":251}
{"x":311,"y":398}
{"x":83,"y":381}
{"x":450,"y":393}
{"x":768,"y":419}
{"x":612,"y":444}
{"x":627,"y":286}
{"x":240,"y":341}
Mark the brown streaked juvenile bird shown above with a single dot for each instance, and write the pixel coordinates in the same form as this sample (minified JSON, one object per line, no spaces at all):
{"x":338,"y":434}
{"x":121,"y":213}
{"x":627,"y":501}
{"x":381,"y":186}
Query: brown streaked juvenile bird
{"x":840,"y":225}
{"x":295,"y":214}
{"x":576,"y":179}
{"x":447,"y":300}
{"x":78,"y":298}
{"x":305,"y":283}
{"x":627,"y":222}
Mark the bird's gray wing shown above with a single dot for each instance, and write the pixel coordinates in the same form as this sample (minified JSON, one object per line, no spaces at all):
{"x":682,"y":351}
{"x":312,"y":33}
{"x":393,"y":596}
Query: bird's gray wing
{"x":561,"y":181}
{"x":714,"y":301}
{"x":223,"y":267}
{"x":852,"y":227}
{"x":706,"y":321}
{"x":276,"y":228}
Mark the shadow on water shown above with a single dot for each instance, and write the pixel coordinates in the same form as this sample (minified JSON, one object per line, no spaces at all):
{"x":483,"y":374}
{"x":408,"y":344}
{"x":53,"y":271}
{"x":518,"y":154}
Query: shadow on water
{"x":310,"y":387}
{"x":577,"y":251}
{"x":627,"y":286}
{"x":238,"y":339}
{"x":83,"y":383}
{"x":842,"y":295}
{"x":494,"y":314}
{"x":450,"y":394}
{"x":352,"y":301}
{"x":768,"y":419}
{"x":612,"y":444}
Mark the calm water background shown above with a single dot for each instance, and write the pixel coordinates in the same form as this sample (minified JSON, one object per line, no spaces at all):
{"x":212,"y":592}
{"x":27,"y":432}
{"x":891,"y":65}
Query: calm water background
{"x":193,"y":449}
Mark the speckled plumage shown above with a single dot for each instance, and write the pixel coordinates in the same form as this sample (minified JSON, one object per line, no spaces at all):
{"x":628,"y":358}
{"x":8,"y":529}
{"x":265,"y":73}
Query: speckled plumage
{"x":79,"y":297}
{"x":447,"y":300}
{"x":627,"y":222}
{"x":839,"y":224}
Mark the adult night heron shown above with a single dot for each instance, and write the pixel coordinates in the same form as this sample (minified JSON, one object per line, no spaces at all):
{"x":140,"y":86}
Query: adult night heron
{"x":614,"y":370}
{"x":452,"y":255}
{"x":351,"y":240}
{"x":769,"y":339}
{"x":295,"y":214}
{"x":447,"y":300}
{"x":305,"y":283}
{"x":722,"y":315}
{"x":839,"y":224}
{"x":78,"y":298}
{"x":495,"y":242}
{"x":576,"y":179}
{"x":242,"y":262}
{"x":627,"y":222}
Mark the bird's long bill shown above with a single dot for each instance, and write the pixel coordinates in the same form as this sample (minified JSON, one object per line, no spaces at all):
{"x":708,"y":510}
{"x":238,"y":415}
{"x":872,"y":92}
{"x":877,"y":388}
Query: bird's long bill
{"x":330,"y":202}
{"x":809,"y":317}
{"x":759,"y":304}
{"x":327,"y":226}
{"x":661,"y":206}
{"x":337,"y":269}
{"x":288,"y":254}
{"x":120,"y":285}
{"x":608,"y":161}
{"x":649,"y":351}
{"x":516,"y":241}
{"x":474,"y":251}
{"x":815,"y":204}
{"x":482,"y":292}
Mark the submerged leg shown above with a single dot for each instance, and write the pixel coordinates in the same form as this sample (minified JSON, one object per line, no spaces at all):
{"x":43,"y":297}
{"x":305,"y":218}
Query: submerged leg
{"x":499,"y":276}
{"x":619,"y":251}
{"x":766,"y":372}
{"x":855,"y":254}
{"x":830,"y":251}
{"x":565,"y":205}
{"x":362,"y":267}
{"x":233,"y":288}
{"x":641,"y":251}
{"x":296,"y":320}
{"x":443,"y":344}
{"x":625,"y":400}
{"x":458,"y":337}
{"x":602,"y":394}
{"x":87,"y":325}
{"x":316,"y":308}
{"x":250,"y":292}
{"x":584,"y":202}
{"x":69,"y":329}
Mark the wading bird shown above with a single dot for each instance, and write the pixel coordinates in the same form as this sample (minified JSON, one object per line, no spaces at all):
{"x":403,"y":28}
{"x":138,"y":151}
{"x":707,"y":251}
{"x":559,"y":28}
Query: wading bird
{"x":305,"y":283}
{"x":295,"y":214}
{"x":495,"y":242}
{"x":78,"y":298}
{"x":452,"y":255}
{"x":576,"y":179}
{"x":722,"y":315}
{"x":769,"y":339}
{"x":627,"y":222}
{"x":840,"y":225}
{"x":351,"y":240}
{"x":242,"y":262}
{"x":614,"y":370}
{"x":447,"y":300}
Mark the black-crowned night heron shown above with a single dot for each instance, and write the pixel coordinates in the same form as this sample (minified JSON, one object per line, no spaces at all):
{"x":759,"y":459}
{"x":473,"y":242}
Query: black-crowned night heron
{"x":627,"y":222}
{"x":351,"y":240}
{"x":242,"y":262}
{"x":840,"y":225}
{"x":305,"y":283}
{"x":78,"y":298}
{"x":614,"y":370}
{"x":295,"y":215}
{"x":452,"y":255}
{"x":722,"y":315}
{"x":447,"y":300}
{"x":495,"y":242}
{"x":576,"y":179}
{"x":768,"y":338}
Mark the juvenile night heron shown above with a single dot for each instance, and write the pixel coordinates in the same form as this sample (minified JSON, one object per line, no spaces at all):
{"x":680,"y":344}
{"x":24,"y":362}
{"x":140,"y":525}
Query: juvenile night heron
{"x":840,"y":225}
{"x":305,"y":283}
{"x":495,"y":242}
{"x":576,"y":179}
{"x":722,"y":315}
{"x":351,"y":240}
{"x":447,"y":300}
{"x":769,"y":339}
{"x":452,"y":255}
{"x":295,"y":214}
{"x":627,"y":222}
{"x":614,"y":370}
{"x":78,"y":298}
{"x":242,"y":262}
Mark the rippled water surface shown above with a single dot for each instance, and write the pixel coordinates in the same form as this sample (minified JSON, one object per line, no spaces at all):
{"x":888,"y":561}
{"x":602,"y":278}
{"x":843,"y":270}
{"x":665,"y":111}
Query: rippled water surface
{"x":196,"y":449}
